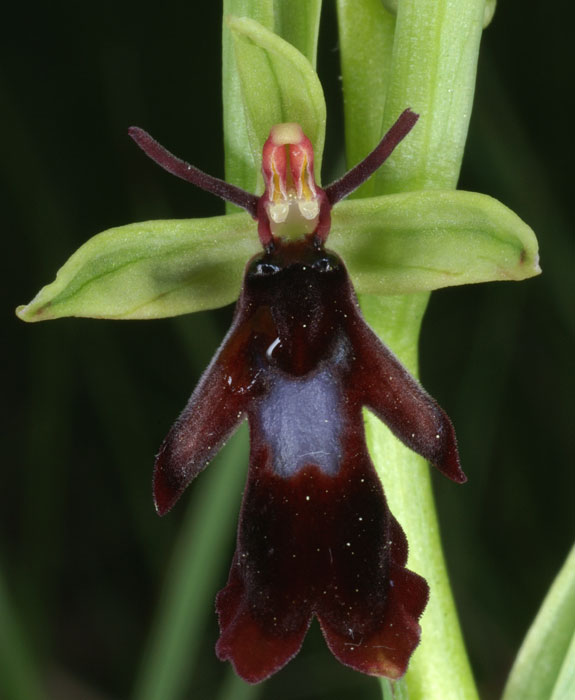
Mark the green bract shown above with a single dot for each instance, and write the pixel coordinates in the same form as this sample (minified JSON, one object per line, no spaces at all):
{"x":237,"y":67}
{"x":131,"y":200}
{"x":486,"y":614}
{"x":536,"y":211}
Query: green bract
{"x":274,"y":73}
{"x":298,"y":25}
{"x":277,"y":84}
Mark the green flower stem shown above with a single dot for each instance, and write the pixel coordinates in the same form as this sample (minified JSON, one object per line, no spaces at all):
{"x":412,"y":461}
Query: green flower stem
{"x":439,"y":668}
{"x":198,"y":563}
{"x":434,"y":61}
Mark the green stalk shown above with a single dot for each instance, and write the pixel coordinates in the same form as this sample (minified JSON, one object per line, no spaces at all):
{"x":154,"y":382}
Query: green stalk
{"x":439,"y":668}
{"x":433,"y":67}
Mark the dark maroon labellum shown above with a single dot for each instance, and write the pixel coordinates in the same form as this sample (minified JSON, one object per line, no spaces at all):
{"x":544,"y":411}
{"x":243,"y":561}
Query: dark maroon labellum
{"x":316,"y":537}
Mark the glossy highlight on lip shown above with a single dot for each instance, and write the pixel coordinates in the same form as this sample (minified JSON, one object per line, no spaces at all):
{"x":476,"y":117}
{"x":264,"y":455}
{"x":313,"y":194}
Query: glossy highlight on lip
{"x":316,"y":537}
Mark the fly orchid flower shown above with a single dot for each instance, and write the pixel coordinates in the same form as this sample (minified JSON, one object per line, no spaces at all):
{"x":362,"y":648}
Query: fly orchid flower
{"x":316,"y":537}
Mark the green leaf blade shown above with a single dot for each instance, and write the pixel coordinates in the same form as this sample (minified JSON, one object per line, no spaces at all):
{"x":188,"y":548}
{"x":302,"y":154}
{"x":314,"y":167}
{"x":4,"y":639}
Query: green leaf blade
{"x":565,"y":685}
{"x":149,"y":270}
{"x":545,"y":665}
{"x":420,"y":241}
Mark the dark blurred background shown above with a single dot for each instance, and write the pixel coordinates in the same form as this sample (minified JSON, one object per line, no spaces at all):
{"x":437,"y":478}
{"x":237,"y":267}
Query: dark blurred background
{"x":82,"y":554}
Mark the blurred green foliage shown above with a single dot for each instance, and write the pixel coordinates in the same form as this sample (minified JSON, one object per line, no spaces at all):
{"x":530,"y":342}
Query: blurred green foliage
{"x":82,"y":554}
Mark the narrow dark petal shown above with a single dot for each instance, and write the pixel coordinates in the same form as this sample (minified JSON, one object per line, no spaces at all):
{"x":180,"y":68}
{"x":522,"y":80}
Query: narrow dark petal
{"x":362,"y":171}
{"x":402,"y":403}
{"x":208,"y":420}
{"x":215,"y":409}
{"x":181,"y":169}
